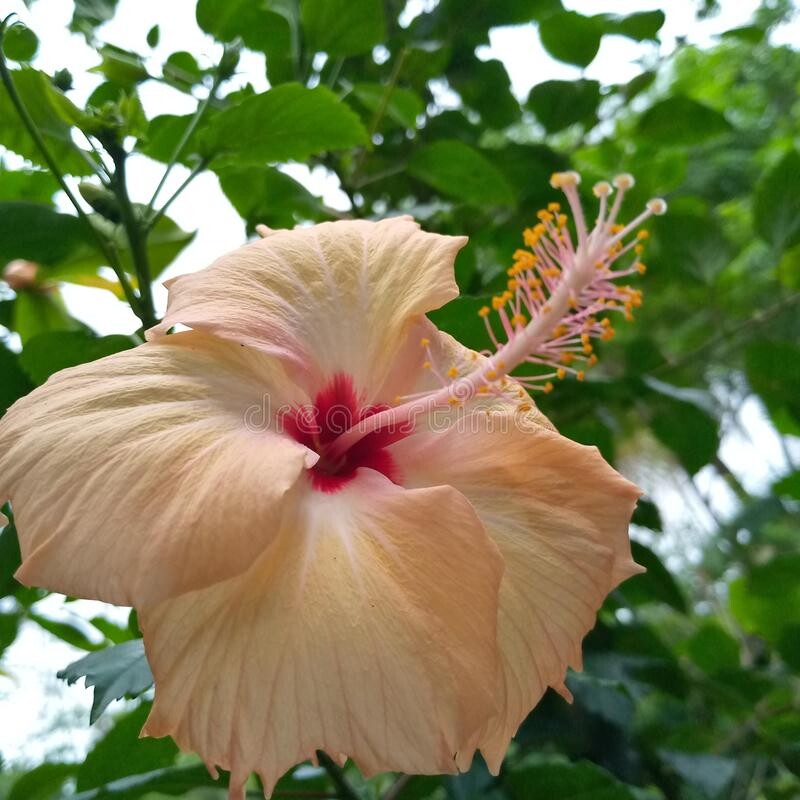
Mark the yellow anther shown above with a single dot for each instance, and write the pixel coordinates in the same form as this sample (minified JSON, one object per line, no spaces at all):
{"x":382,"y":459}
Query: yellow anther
{"x":559,"y":331}
{"x":657,"y":206}
{"x":587,"y":348}
{"x":602,"y":189}
{"x":453,"y":401}
{"x":567,"y":358}
{"x":640,"y":268}
{"x":561,"y":373}
{"x":639,"y":249}
{"x":592,"y":360}
{"x":523,"y":407}
{"x":534,"y":283}
{"x":519,"y":319}
{"x":424,"y":342}
{"x":599,"y":264}
{"x":617,"y":228}
{"x":546,"y":309}
{"x":562,"y":180}
{"x":544,"y":216}
{"x":484,"y":311}
{"x":580,"y":374}
{"x":483,"y":389}
{"x":561,"y":220}
{"x":513,"y":285}
{"x":498,"y":303}
{"x":554,"y":207}
{"x":585,"y":338}
{"x":606,"y":323}
{"x":573,"y":301}
{"x":452,"y":372}
{"x":608,"y":334}
{"x":491,"y":375}
{"x":642,"y":235}
{"x":548,"y":387}
{"x":540,"y":230}
{"x":427,"y":365}
{"x":624,"y":181}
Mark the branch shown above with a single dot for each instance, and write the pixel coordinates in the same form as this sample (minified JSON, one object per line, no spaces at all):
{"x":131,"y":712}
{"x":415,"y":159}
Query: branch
{"x":106,"y":248}
{"x":153,"y":220}
{"x":336,"y":773}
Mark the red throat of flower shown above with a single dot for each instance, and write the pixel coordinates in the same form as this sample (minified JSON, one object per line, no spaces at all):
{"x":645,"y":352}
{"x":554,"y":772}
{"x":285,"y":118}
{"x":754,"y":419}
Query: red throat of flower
{"x":336,"y":409}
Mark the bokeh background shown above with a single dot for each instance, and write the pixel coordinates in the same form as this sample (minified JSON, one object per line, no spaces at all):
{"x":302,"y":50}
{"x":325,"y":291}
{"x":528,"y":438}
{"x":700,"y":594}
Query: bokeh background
{"x":457,"y":112}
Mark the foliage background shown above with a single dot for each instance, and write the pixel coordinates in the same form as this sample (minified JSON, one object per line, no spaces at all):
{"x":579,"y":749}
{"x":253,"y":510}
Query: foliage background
{"x":692,"y":681}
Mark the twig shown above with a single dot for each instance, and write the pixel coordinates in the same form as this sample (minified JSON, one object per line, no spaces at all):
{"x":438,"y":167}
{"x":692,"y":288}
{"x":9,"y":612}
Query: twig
{"x":152,"y":221}
{"x":396,"y":789}
{"x":106,"y":248}
{"x":336,"y":773}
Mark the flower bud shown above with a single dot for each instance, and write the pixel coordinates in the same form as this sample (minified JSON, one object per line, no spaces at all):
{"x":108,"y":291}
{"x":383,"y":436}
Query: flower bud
{"x":20,"y":274}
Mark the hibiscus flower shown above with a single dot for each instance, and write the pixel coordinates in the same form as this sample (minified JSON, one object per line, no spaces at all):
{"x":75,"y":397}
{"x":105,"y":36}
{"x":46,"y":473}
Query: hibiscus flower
{"x":342,"y":530}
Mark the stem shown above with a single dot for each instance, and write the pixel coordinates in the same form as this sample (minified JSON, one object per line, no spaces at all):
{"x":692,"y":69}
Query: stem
{"x":137,"y":239}
{"x":396,"y":789}
{"x":154,"y":219}
{"x":182,"y":142}
{"x":343,"y":787}
{"x":106,"y":247}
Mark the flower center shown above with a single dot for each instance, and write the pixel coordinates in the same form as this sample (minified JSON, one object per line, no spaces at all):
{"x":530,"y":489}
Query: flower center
{"x":336,"y":409}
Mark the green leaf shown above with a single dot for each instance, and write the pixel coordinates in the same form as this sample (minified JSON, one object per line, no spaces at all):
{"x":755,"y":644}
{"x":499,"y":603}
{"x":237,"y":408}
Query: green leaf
{"x":711,"y":775}
{"x":121,"y":752}
{"x":172,"y":781}
{"x":42,"y":782}
{"x":90,"y":14}
{"x":458,"y":170}
{"x":681,"y":121}
{"x":266,"y":195}
{"x":343,"y":27}
{"x":647,"y":514}
{"x":766,"y":601}
{"x":550,"y":778}
{"x":788,"y":486}
{"x":771,"y":369}
{"x":32,"y":185}
{"x":641,"y":26}
{"x":153,"y":36}
{"x":776,"y":204}
{"x":460,"y":319}
{"x":49,"y":353}
{"x":52,"y":113}
{"x":571,"y":37}
{"x":713,"y":649}
{"x":485,"y":87}
{"x":404,"y":105}
{"x":65,"y":631}
{"x":14,"y":383}
{"x":558,"y":104}
{"x":121,"y":66}
{"x":9,"y":628}
{"x":20,"y":43}
{"x":38,"y":233}
{"x":688,"y":431}
{"x":788,"y":270}
{"x":9,"y":557}
{"x":182,"y":71}
{"x":118,"y":671}
{"x":289,"y":122}
{"x":163,"y":134}
{"x":654,"y":586}
{"x":40,"y":311}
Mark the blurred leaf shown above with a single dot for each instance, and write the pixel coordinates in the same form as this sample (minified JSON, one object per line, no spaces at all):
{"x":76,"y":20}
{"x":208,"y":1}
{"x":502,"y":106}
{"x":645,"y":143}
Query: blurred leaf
{"x":32,"y":185}
{"x":571,"y":37}
{"x":65,"y":631}
{"x":182,"y":71}
{"x":269,"y":196}
{"x":767,"y":600}
{"x":460,"y":319}
{"x":710,"y":774}
{"x":288,"y":122}
{"x":607,"y":699}
{"x":788,"y":486}
{"x":163,"y":134}
{"x":647,"y":515}
{"x":713,"y":649}
{"x":558,"y":104}
{"x":640,"y":26}
{"x":752,"y":34}
{"x":689,"y":432}
{"x":485,"y":87}
{"x":48,"y":353}
{"x":655,"y":585}
{"x":121,"y":66}
{"x":116,"y":634}
{"x":550,"y":778}
{"x":172,"y":781}
{"x":9,"y":558}
{"x":42,"y":311}
{"x":458,"y":170}
{"x":14,"y":382}
{"x":118,"y":671}
{"x":42,"y":782}
{"x":772,"y":374}
{"x":680,"y":120}
{"x":788,"y":270}
{"x":404,"y":105}
{"x":153,"y":36}
{"x":89,"y":14}
{"x":121,"y":752}
{"x":343,"y":27}
{"x":20,"y":43}
{"x":37,"y":233}
{"x":52,"y":113}
{"x":776,"y":205}
{"x":9,"y":628}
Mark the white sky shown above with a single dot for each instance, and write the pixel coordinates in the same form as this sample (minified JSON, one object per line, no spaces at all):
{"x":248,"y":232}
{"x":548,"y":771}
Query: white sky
{"x":31,"y":698}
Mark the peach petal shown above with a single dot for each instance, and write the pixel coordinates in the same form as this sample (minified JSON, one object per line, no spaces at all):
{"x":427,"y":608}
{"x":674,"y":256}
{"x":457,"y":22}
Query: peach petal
{"x":331,"y":298}
{"x":135,"y":477}
{"x":367,"y":629}
{"x":559,"y":515}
